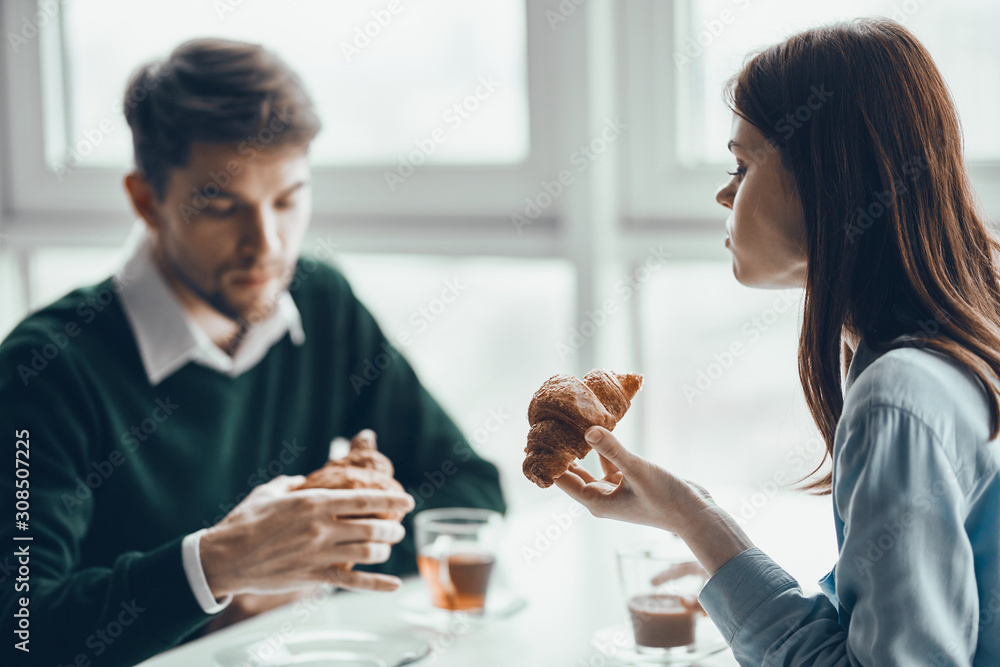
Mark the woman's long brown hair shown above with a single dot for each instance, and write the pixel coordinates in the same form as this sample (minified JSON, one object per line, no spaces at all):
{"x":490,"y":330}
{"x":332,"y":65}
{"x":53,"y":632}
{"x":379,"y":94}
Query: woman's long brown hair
{"x":897,"y":242}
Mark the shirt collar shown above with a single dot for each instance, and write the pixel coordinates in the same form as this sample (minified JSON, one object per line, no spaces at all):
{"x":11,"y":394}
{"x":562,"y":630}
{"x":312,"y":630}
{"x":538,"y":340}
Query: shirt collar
{"x":168,"y":337}
{"x":864,"y":355}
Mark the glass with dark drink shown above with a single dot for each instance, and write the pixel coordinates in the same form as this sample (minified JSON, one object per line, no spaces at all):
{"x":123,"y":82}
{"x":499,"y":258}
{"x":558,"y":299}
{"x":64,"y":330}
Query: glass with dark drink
{"x":660,"y":582}
{"x":456,"y":551}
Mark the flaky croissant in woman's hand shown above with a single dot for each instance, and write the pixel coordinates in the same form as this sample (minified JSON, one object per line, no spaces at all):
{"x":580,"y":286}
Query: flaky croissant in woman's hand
{"x":563,"y":409}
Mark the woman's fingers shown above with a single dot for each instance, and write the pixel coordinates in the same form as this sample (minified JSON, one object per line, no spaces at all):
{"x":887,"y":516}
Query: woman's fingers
{"x":572,"y":484}
{"x":607,"y":466}
{"x":582,"y":472}
{"x":607,"y":445}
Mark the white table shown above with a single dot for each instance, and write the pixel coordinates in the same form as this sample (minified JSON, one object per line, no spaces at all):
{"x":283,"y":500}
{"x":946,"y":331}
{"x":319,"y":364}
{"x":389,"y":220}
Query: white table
{"x":571,"y":587}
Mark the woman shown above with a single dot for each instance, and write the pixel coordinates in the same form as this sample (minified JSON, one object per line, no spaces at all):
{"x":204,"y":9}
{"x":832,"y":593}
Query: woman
{"x":850,"y":183}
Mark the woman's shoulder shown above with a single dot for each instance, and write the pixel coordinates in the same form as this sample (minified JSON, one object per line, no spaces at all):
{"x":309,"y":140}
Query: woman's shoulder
{"x":927,"y":385}
{"x":918,"y":379}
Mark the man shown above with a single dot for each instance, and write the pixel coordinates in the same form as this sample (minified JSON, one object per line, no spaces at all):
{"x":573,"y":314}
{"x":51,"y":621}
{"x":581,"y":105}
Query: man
{"x":167,"y":411}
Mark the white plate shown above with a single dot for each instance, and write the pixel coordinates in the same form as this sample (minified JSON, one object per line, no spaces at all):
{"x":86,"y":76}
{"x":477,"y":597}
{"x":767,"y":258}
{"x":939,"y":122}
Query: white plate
{"x":416,"y":607}
{"x":340,"y":647}
{"x":609,"y":641}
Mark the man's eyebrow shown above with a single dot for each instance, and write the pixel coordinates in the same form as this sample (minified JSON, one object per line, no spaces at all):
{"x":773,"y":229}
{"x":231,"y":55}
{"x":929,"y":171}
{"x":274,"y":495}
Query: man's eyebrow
{"x":292,"y":188}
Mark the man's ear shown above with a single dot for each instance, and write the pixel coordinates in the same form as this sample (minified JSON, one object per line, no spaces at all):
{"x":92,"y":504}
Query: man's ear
{"x":143,"y":198}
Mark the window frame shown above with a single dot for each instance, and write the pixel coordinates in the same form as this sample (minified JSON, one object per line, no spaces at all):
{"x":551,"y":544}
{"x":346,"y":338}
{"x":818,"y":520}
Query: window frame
{"x":655,"y":29}
{"x":352,"y":196}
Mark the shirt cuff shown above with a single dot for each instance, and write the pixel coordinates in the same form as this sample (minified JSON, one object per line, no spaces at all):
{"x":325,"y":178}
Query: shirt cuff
{"x":191,"y":555}
{"x":740,"y":586}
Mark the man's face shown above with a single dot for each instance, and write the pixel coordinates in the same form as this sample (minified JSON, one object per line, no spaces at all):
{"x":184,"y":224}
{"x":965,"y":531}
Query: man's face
{"x":231,"y":224}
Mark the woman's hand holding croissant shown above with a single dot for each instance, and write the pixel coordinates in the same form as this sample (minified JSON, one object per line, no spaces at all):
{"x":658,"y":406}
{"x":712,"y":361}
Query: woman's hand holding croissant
{"x":634,"y":489}
{"x":639,"y":491}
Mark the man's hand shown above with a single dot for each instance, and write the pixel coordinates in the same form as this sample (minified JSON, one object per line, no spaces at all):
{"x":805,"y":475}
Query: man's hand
{"x":278,"y":540}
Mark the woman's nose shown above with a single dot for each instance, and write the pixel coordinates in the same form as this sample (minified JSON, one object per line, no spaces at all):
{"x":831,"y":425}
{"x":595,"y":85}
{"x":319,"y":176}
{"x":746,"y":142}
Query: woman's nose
{"x":724,"y":195}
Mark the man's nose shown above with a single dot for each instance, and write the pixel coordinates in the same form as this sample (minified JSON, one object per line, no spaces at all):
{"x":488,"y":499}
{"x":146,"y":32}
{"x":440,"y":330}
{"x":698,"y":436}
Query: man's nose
{"x":724,"y":195}
{"x":262,"y":235}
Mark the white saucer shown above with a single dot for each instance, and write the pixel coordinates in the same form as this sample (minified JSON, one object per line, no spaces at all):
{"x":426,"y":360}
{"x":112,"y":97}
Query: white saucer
{"x":415,"y":607}
{"x":336,"y":647}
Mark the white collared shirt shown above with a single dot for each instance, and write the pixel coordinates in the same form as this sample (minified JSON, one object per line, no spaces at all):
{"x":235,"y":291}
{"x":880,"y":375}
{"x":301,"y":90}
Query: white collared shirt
{"x":168,"y":338}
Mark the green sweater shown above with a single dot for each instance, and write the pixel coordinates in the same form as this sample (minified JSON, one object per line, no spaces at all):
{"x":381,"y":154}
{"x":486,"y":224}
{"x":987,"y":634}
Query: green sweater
{"x":118,"y":471}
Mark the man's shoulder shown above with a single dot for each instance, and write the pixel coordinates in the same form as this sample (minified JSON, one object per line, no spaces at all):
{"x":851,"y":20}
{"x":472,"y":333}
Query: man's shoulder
{"x":69,"y":316}
{"x":317,"y":282}
{"x":84,"y":326}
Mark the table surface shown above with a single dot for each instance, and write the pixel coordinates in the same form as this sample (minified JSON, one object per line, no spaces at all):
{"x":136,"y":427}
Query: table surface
{"x":559,"y":558}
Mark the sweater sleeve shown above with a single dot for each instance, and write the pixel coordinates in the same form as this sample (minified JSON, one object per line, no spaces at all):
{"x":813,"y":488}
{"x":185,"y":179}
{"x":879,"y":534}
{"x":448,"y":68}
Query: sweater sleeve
{"x":119,"y":614}
{"x":434,"y":462}
{"x":905,"y":575}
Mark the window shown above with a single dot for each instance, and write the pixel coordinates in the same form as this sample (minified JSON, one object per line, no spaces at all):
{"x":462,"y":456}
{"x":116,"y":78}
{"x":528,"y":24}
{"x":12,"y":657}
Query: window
{"x":385,"y":75}
{"x":679,"y":56}
{"x":717,"y":34}
{"x":483,"y":354}
{"x":420,"y":91}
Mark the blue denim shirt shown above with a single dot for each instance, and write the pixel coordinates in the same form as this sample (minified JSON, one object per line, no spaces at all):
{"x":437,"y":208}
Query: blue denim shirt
{"x":916,"y":501}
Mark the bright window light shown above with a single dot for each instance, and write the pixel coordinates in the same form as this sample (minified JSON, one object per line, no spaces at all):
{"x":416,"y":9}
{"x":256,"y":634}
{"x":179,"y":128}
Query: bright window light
{"x":717,"y":34}
{"x":384,"y":74}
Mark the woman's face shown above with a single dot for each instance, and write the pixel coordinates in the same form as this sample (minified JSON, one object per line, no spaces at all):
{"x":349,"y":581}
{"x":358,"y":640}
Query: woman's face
{"x":766,"y":229}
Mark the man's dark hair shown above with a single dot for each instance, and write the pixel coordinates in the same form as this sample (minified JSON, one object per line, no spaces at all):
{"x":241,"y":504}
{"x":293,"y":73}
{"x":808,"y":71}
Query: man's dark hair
{"x":215,"y":91}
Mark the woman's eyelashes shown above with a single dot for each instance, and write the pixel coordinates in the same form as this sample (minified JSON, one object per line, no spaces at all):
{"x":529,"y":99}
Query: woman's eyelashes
{"x":740,"y":171}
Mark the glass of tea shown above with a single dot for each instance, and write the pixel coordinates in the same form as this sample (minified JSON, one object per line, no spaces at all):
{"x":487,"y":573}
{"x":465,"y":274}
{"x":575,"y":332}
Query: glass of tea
{"x":456,"y":551}
{"x":660,"y":582}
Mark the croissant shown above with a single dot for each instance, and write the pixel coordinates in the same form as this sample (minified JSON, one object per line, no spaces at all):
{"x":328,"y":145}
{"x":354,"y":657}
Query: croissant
{"x":364,"y":467}
{"x":563,"y":409}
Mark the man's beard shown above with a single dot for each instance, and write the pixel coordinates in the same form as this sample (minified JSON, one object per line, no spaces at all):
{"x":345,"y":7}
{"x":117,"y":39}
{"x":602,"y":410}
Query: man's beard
{"x":251,"y":316}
